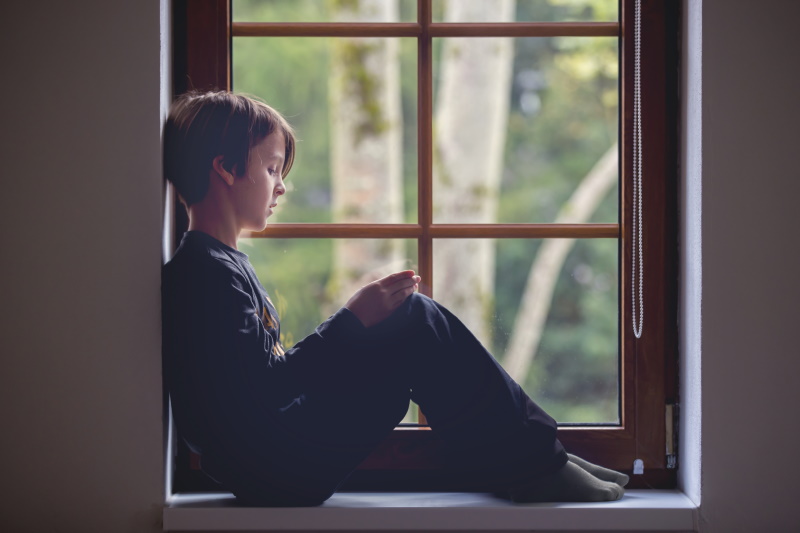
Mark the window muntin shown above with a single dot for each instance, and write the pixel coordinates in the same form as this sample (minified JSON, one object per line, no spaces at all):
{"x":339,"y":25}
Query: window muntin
{"x":575,"y":125}
{"x":298,"y":274}
{"x":568,"y":360}
{"x":562,"y":117}
{"x":303,"y":95}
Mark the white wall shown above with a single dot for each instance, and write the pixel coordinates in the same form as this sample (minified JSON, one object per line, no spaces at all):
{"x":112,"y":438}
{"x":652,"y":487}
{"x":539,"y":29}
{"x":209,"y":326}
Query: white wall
{"x":80,"y":385}
{"x":80,"y":378}
{"x":691,"y":249}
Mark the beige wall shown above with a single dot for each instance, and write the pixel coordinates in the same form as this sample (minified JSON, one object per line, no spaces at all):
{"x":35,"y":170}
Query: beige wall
{"x":80,"y":216}
{"x":750,"y":265}
{"x":80,"y":390}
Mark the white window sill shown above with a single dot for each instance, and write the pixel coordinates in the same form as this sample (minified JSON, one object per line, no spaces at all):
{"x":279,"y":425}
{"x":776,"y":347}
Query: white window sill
{"x":639,"y":510}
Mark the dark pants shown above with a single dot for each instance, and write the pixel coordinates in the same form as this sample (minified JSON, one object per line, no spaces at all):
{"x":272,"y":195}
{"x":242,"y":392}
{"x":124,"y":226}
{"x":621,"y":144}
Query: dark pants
{"x":495,"y":436}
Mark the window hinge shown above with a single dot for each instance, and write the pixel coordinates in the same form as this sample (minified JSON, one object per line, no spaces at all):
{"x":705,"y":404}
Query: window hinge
{"x":670,"y":414}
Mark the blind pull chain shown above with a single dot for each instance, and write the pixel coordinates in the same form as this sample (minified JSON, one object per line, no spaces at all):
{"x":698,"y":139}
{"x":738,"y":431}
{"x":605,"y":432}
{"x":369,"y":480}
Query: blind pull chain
{"x":637,"y":180}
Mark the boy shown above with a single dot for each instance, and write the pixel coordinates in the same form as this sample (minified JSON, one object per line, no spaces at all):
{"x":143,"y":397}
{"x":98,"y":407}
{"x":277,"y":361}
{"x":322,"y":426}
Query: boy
{"x":264,"y":421}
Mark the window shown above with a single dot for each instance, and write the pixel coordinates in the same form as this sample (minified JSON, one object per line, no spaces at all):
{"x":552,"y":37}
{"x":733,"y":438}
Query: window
{"x":417,"y":210}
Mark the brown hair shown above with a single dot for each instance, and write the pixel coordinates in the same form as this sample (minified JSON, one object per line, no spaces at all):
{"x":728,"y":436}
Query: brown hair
{"x":204,"y":125}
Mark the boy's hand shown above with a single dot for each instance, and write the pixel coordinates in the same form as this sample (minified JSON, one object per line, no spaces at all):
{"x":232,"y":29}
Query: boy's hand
{"x":374,"y":302}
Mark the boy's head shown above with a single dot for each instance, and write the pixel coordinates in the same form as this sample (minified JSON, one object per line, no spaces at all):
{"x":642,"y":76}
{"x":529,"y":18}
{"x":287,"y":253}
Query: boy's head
{"x":204,"y":125}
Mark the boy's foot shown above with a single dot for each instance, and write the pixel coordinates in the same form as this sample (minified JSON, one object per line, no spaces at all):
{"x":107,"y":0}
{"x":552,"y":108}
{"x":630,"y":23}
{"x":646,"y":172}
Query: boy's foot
{"x":599,"y":472}
{"x":569,"y":484}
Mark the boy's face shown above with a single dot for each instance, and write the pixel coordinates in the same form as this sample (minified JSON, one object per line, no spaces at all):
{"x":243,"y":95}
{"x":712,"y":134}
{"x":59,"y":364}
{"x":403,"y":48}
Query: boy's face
{"x":257,"y":192}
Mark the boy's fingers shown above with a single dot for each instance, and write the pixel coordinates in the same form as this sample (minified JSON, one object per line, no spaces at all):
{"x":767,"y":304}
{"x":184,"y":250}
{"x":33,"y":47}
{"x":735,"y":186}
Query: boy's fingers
{"x":397,"y":276}
{"x":400,"y":296}
{"x":405,"y":284}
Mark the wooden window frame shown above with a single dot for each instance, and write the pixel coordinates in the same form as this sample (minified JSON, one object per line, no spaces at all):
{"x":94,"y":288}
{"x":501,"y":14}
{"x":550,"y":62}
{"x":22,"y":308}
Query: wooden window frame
{"x":408,"y":460}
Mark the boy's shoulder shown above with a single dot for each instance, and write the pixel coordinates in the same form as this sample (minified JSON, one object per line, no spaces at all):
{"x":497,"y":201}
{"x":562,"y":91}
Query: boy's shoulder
{"x":202,"y":255}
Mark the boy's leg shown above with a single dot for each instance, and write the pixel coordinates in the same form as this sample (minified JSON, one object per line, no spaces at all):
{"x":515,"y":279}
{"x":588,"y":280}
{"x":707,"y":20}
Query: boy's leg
{"x":498,"y":439}
{"x":352,"y":401}
{"x":337,"y":402}
{"x":496,"y":436}
{"x":310,"y":447}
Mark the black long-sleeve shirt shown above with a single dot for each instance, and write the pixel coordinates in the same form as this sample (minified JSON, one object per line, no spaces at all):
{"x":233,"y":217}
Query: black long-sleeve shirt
{"x":225,"y":369}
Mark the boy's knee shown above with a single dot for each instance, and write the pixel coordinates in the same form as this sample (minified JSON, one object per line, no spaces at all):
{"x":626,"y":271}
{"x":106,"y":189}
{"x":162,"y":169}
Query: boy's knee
{"x":419,"y":301}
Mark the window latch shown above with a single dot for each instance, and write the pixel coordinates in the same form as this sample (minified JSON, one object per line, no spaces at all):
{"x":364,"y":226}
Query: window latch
{"x":671,"y":413}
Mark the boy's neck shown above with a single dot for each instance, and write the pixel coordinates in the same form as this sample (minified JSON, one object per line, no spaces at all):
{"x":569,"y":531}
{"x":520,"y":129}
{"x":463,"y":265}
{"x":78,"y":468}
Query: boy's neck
{"x":213,"y":223}
{"x":223,"y":238}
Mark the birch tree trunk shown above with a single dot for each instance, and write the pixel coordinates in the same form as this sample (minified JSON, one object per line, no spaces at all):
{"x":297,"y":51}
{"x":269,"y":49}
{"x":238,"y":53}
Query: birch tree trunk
{"x":472,"y":106}
{"x":530,"y":320}
{"x":366,"y":146}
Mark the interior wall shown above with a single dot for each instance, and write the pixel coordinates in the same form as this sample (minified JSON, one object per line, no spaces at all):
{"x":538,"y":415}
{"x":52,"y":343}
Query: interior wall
{"x":750,"y":265}
{"x":80,"y":216}
{"x":691,"y":249}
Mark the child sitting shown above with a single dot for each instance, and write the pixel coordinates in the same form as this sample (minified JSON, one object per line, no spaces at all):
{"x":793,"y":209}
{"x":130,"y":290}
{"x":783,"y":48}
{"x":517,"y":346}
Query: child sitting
{"x":264,"y":419}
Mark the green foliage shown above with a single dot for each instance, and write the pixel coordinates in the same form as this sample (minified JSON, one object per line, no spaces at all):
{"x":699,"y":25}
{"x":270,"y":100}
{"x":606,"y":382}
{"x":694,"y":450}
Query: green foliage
{"x":350,"y":5}
{"x":295,"y":273}
{"x":576,"y":367}
{"x":563,"y":117}
{"x":573,"y":10}
{"x":549,"y":149}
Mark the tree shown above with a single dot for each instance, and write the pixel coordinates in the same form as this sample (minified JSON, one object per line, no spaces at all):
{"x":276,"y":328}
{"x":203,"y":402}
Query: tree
{"x":538,"y":293}
{"x":366,"y":146}
{"x":540,"y":155}
{"x":470,"y":125}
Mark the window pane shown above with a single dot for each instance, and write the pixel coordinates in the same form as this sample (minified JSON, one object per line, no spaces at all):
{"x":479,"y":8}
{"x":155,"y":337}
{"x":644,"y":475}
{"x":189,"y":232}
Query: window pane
{"x":322,"y":11}
{"x":527,"y":11}
{"x":558,"y":335}
{"x":309,"y":279}
{"x":353,"y":104}
{"x":520,"y":125}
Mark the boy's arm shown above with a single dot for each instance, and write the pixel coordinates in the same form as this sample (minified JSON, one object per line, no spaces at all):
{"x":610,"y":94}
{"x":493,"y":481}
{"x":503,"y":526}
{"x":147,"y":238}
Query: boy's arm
{"x":236,"y":353}
{"x":370,"y":305}
{"x":373,"y":303}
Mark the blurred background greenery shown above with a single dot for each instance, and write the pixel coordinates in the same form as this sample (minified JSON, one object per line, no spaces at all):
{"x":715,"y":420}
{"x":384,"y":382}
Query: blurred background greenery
{"x":562,"y":118}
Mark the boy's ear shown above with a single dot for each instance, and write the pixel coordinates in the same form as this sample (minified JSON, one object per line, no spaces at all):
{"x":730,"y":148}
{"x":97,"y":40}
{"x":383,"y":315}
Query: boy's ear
{"x":226,"y":176}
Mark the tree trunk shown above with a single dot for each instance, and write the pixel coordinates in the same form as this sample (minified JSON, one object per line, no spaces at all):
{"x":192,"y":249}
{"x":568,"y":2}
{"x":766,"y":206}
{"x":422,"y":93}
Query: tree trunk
{"x":470,"y":129}
{"x":530,"y":320}
{"x":366,"y":146}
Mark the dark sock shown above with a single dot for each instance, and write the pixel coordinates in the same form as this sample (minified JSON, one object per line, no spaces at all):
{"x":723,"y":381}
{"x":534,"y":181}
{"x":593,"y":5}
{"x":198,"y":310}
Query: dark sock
{"x":599,"y":472}
{"x":571,"y":483}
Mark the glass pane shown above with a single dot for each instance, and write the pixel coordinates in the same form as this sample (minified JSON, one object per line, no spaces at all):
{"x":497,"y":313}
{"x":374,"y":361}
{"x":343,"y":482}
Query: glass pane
{"x":353,"y":104}
{"x":324,"y":11}
{"x":521,"y":125}
{"x":309,"y":279}
{"x":549,"y":315}
{"x":525,"y":11}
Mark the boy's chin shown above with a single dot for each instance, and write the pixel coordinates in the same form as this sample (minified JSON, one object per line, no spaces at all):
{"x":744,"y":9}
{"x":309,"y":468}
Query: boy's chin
{"x":255,"y":228}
